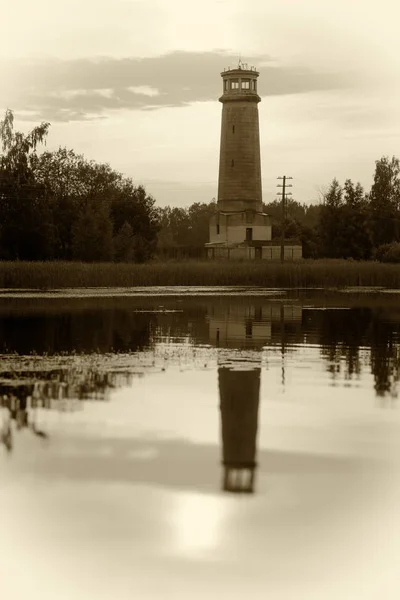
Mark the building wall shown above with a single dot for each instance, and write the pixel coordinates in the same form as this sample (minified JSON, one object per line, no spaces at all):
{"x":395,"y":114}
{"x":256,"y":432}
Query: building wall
{"x":247,"y":218}
{"x":221,"y":220}
{"x":239,"y":183}
{"x":248,"y":252}
{"x":274,"y":252}
{"x":261,"y":315}
{"x":232,"y":228}
{"x":237,"y":233}
{"x":245,"y":252}
{"x":225,"y":332}
{"x":248,"y":327}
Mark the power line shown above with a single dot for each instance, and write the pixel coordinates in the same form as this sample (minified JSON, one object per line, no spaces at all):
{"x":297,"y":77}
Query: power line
{"x":283,"y":193}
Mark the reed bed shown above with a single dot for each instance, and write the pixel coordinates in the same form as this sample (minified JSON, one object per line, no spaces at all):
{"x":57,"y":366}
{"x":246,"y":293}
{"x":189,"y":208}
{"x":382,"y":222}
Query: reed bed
{"x":302,"y":274}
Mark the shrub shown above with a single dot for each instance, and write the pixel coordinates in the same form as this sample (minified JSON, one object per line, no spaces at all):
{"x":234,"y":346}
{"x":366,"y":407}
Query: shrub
{"x":389,"y":253}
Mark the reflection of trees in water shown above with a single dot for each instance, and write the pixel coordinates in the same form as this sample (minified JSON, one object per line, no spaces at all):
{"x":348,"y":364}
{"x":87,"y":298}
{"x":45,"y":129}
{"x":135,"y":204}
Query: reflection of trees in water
{"x":128,"y":324}
{"x":343,"y":334}
{"x":51,"y":387}
{"x":180,"y":321}
{"x":347,"y":337}
{"x":86,"y":331}
{"x":385,"y":357}
{"x":22,"y":392}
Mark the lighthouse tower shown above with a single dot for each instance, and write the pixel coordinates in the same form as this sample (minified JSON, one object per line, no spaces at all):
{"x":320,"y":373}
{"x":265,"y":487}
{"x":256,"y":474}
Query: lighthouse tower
{"x":239,"y":227}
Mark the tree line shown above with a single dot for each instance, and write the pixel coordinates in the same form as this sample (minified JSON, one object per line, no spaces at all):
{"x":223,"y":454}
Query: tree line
{"x":60,"y":206}
{"x":348,"y":222}
{"x":363,"y":225}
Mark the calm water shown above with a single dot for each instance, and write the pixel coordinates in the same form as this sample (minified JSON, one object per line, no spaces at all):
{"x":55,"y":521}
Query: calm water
{"x":153,"y":410}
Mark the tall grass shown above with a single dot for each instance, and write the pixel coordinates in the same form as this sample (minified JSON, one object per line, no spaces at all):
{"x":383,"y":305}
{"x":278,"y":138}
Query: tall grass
{"x":306,"y":273}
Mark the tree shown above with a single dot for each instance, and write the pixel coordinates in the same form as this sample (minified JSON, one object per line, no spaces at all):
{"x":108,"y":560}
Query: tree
{"x":354,"y":196}
{"x":132,"y":205}
{"x":78,"y":186}
{"x":60,"y":205}
{"x":26,"y":224}
{"x":330,"y":221}
{"x":388,"y":252}
{"x":18,"y":149}
{"x":62,"y":174}
{"x":165,"y":234}
{"x":385,"y":201}
{"x":185,"y":227}
{"x":92,"y":232}
{"x":199,"y":215}
{"x":310,"y":241}
{"x":125,"y":244}
{"x":355,"y":234}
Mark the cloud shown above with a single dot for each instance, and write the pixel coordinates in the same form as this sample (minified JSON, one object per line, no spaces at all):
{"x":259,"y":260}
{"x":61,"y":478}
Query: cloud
{"x":81,"y":89}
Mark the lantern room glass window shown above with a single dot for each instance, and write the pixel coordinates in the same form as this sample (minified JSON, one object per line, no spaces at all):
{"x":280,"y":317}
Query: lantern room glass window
{"x":234,"y":84}
{"x":245,"y":84}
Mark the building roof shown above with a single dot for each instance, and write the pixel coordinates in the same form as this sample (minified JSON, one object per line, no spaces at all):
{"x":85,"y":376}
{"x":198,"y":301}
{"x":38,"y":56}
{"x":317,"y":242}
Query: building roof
{"x":235,"y":212}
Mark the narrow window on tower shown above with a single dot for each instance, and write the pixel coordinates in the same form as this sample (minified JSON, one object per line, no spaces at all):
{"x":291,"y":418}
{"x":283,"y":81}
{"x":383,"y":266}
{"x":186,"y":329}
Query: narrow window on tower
{"x":232,"y":163}
{"x":233,"y":129}
{"x":217,"y":228}
{"x":249,"y":328}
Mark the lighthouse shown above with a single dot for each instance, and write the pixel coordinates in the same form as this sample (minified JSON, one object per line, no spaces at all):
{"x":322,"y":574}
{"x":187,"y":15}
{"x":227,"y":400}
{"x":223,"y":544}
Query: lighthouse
{"x":239,"y":227}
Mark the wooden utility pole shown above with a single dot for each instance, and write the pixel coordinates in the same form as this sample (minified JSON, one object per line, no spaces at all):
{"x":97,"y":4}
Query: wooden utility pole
{"x":283,"y":193}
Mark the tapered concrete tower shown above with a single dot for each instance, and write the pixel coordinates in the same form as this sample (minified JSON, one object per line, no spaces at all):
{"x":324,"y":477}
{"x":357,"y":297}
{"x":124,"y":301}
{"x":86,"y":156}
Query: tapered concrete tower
{"x":239,"y":222}
{"x":239,"y":184}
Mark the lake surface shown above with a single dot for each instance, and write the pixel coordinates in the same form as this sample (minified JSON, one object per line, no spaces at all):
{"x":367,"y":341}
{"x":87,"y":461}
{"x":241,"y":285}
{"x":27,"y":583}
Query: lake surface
{"x":200,"y":442}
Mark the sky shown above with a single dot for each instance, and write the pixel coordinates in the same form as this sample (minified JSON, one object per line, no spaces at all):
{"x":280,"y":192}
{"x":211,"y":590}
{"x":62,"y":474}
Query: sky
{"x":135,"y":83}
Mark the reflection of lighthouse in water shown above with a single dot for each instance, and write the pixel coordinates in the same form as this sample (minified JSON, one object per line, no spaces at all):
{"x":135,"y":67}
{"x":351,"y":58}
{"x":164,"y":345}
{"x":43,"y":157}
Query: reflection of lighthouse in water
{"x":251,"y":325}
{"x":239,"y":391}
{"x":241,"y":332}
